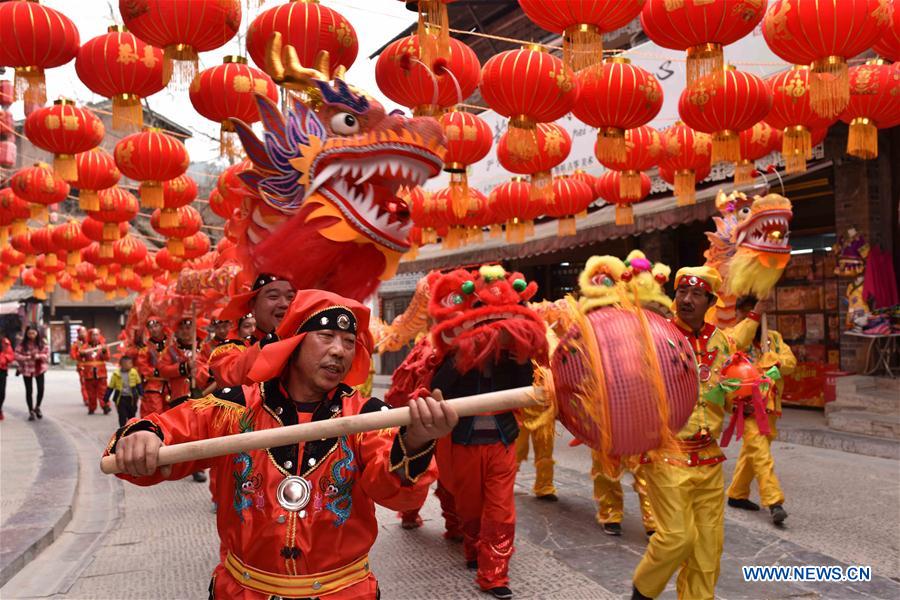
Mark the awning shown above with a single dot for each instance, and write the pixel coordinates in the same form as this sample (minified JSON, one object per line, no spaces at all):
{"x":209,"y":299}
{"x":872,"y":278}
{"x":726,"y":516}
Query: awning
{"x":17,"y":294}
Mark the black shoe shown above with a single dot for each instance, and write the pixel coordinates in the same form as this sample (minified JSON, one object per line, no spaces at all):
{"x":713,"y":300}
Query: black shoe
{"x":106,"y":410}
{"x":778,"y":514}
{"x":548,"y":498}
{"x":501,"y":591}
{"x":199,"y":476}
{"x":612,"y":528}
{"x":90,"y":412}
{"x":650,"y":532}
{"x":636,"y":595}
{"x":38,"y":413}
{"x":743,"y":504}
{"x":472,"y":564}
{"x":31,"y":415}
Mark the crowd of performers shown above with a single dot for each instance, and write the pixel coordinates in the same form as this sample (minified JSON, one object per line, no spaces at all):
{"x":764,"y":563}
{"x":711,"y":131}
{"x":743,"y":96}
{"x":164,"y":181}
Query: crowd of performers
{"x":251,"y":372}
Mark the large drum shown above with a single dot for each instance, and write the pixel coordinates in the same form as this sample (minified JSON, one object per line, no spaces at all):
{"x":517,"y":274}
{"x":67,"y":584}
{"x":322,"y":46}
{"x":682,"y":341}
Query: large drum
{"x":619,"y":382}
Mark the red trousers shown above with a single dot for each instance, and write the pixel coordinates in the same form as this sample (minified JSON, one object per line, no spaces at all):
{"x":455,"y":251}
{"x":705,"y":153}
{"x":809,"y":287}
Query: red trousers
{"x":84,"y":394}
{"x":481,"y":480}
{"x":152,"y":402}
{"x":95,"y":389}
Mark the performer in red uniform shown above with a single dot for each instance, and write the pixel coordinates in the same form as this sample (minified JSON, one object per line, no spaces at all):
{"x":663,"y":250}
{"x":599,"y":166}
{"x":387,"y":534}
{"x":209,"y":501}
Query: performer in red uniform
{"x":179,"y":365}
{"x":268,"y":301}
{"x":221,"y":329}
{"x":93,"y":355}
{"x":298,"y":521}
{"x":75,"y":353}
{"x":156,"y":389}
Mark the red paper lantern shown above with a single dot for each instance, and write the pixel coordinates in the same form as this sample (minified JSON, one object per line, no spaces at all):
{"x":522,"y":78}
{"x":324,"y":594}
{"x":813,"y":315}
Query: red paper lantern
{"x":824,"y":34}
{"x":12,"y":259}
{"x":528,"y":86}
{"x":22,"y":243}
{"x":14,"y":211}
{"x":581,"y":24}
{"x":96,"y":171}
{"x":888,"y":44}
{"x":177,"y":192}
{"x":65,"y":130}
{"x":39,"y":185}
{"x":687,"y":156}
{"x":195,"y":245}
{"x":151,"y":157}
{"x":571,"y":197}
{"x":86,"y":272}
{"x":189,"y":222}
{"x":41,"y":240}
{"x":183,"y":28}
{"x":104,"y":233}
{"x":426,"y":89}
{"x":755,"y":143}
{"x":310,"y":28}
{"x":49,"y":266}
{"x":582,"y":175}
{"x":217,"y":204}
{"x":35,"y":38}
{"x":511,"y":202}
{"x":91,"y":254}
{"x":643,"y":150}
{"x":874,"y":103}
{"x":231,"y":188}
{"x":616,"y":96}
{"x":69,"y":238}
{"x":37,"y":281}
{"x":128,"y":252}
{"x":464,"y":229}
{"x":793,"y":115}
{"x":469,"y":140}
{"x":228,"y":91}
{"x":700,"y":27}
{"x":724,"y":104}
{"x":116,"y":207}
{"x":608,"y":185}
{"x":146,"y":269}
{"x":167,"y":262}
{"x":120,"y":66}
{"x":554,"y":145}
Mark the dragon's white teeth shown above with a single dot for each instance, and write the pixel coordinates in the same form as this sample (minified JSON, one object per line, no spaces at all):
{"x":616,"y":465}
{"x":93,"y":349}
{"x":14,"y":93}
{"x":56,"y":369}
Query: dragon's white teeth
{"x":367,"y":172}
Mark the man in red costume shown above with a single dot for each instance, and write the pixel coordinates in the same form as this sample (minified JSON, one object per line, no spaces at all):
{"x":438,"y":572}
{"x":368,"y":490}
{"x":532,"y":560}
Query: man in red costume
{"x":179,"y":365}
{"x":298,"y":521}
{"x":484,"y":339}
{"x":93,"y":356}
{"x":268,"y":301}
{"x":156,"y":389}
{"x":221,"y":328}
{"x":75,"y":353}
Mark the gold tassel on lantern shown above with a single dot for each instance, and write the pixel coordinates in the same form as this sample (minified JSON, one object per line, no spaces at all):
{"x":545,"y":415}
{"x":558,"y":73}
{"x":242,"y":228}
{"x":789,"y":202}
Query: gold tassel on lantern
{"x":102,"y":271}
{"x":88,"y":200}
{"x":565,"y":227}
{"x":743,"y":172}
{"x":412,"y":253}
{"x":127,"y":271}
{"x":229,"y":143}
{"x":726,"y":147}
{"x":496,"y":230}
{"x":630,"y":185}
{"x":703,"y":60}
{"x":169,"y":217}
{"x":829,"y":86}
{"x":685,"y":187}
{"x":459,"y":189}
{"x":582,"y":46}
{"x":151,"y":194}
{"x":522,"y":137}
{"x":127,"y":113}
{"x":4,"y":236}
{"x":542,"y":186}
{"x":624,"y":214}
{"x":110,"y":232}
{"x":39,"y":213}
{"x":52,"y":260}
{"x":30,"y":86}
{"x":175,"y":246}
{"x":179,"y":66}
{"x":51,"y":281}
{"x":90,"y":286}
{"x":529,"y":228}
{"x":106,"y":250}
{"x":862,"y":141}
{"x":65,"y":166}
{"x":433,"y":31}
{"x":146,"y":281}
{"x":796,"y":148}
{"x":610,"y":144}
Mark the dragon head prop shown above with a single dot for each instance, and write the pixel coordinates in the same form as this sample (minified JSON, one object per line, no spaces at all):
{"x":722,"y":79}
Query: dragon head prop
{"x":750,"y":247}
{"x":478,"y":314}
{"x":324,"y":186}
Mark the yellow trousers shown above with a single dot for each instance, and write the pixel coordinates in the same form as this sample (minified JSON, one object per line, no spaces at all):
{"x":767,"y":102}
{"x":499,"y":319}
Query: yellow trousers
{"x":609,"y":497}
{"x":689,"y":506}
{"x":755,"y":461}
{"x":542,"y":438}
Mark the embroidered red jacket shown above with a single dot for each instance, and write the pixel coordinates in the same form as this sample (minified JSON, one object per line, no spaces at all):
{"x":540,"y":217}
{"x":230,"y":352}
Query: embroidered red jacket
{"x":175,"y":366}
{"x":147,"y":364}
{"x":92,"y":361}
{"x":262,"y":540}
{"x":231,"y":362}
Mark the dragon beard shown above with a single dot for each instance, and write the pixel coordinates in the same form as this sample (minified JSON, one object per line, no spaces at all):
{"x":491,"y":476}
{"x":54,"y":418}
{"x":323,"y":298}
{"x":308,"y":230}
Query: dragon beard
{"x":753,"y":273}
{"x":525,"y":340}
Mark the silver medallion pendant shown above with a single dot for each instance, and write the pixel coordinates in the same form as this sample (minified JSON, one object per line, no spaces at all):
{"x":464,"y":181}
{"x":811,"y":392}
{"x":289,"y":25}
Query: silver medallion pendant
{"x":293,"y":493}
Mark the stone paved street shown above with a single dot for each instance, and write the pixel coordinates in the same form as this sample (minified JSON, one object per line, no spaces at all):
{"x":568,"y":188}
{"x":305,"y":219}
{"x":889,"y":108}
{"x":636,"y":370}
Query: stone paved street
{"x":129,"y":542}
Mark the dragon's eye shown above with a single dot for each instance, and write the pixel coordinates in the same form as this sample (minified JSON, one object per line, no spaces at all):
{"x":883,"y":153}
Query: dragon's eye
{"x":452,"y":300}
{"x":744,"y":212}
{"x":344,"y":123}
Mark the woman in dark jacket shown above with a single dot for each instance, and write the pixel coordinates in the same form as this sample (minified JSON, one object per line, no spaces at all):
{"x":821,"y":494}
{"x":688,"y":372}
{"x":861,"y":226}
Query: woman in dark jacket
{"x":33,"y":357}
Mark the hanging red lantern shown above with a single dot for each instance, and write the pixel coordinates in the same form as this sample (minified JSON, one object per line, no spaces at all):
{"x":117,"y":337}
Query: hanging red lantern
{"x":42,"y":242}
{"x":96,"y":171}
{"x":217,"y":204}
{"x":13,"y":259}
{"x":581,"y":24}
{"x":146,"y":269}
{"x":687,"y":156}
{"x":44,"y":38}
{"x":231,"y":188}
{"x":420,"y":212}
{"x":36,"y":280}
{"x":151,"y":157}
{"x":571,"y":197}
{"x":512,"y":203}
{"x":189,"y":222}
{"x":608,"y":185}
{"x":700,"y":27}
{"x":72,"y":286}
{"x":469,"y":140}
{"x":65,"y":130}
{"x":793,"y":115}
{"x":50,"y":267}
{"x":616,"y":96}
{"x":756,"y":142}
{"x":116,"y":207}
{"x":874,"y":104}
{"x":182,"y":29}
{"x":39,"y":185}
{"x":128,"y":252}
{"x":888,"y":44}
{"x":104,"y":233}
{"x":92,"y":255}
{"x":643,"y":150}
{"x":824,"y":34}
{"x":69,"y":238}
{"x":723,"y":104}
{"x":177,"y":192}
{"x":86,"y":273}
{"x":460,"y":228}
{"x":167,"y":262}
{"x":22,"y":243}
{"x":554,"y":145}
{"x":195,"y":245}
{"x":120,"y":66}
{"x":582,"y":175}
{"x":228,"y":91}
{"x":529,"y":86}
{"x":14,"y":210}
{"x":310,"y":28}
{"x":426,"y":88}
